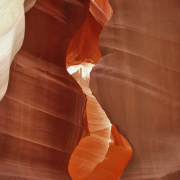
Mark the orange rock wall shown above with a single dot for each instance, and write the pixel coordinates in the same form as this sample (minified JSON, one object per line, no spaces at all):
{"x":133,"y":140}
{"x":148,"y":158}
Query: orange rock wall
{"x":102,"y":153}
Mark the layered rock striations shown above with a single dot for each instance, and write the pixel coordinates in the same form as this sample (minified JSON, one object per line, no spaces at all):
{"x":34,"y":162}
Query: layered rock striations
{"x":42,"y":113}
{"x":102,"y":153}
{"x":137,"y":84}
{"x":51,"y":26}
{"x":41,"y":119}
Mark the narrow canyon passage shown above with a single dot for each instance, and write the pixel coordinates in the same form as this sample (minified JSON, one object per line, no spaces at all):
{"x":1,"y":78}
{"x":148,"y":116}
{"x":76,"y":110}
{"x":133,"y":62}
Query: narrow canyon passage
{"x":103,"y":152}
{"x":41,"y":114}
{"x":51,"y":127}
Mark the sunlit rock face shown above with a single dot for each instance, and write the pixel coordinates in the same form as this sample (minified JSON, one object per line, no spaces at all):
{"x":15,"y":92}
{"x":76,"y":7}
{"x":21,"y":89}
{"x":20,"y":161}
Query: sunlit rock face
{"x":42,"y":113}
{"x":137,"y":84}
{"x":102,"y":153}
{"x":12,"y":29}
{"x":12,"y":26}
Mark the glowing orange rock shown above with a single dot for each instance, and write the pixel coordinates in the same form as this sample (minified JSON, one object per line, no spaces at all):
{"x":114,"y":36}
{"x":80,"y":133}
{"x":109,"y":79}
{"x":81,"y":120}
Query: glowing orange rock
{"x":104,"y":153}
{"x":84,"y":47}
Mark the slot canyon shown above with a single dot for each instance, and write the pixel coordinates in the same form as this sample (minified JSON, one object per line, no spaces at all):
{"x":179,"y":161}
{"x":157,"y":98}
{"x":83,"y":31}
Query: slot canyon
{"x":89,"y":90}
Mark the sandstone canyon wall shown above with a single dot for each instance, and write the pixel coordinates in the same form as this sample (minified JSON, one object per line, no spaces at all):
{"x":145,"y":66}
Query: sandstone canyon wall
{"x":84,"y":46}
{"x":137,"y":84}
{"x":41,"y":115}
{"x":102,"y":153}
{"x":44,"y":112}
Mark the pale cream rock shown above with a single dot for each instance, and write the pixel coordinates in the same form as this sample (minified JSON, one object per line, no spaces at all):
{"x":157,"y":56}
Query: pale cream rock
{"x":12,"y":29}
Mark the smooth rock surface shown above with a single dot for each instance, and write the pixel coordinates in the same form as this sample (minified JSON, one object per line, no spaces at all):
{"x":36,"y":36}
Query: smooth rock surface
{"x":12,"y":26}
{"x":102,"y":153}
{"x":137,"y":83}
{"x":28,"y":4}
{"x":84,"y":46}
{"x":42,"y":113}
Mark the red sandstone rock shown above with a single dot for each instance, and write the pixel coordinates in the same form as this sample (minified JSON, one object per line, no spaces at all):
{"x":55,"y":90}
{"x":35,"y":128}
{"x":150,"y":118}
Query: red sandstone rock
{"x":84,"y":47}
{"x":101,"y":10}
{"x":137,"y":84}
{"x":52,"y":28}
{"x":105,"y":7}
{"x":102,"y":153}
{"x":41,"y":115}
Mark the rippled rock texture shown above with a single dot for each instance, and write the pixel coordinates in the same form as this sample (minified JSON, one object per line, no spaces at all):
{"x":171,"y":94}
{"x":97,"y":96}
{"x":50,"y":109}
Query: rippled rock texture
{"x":137,"y":84}
{"x":102,"y":153}
{"x":41,"y":115}
{"x":44,"y":112}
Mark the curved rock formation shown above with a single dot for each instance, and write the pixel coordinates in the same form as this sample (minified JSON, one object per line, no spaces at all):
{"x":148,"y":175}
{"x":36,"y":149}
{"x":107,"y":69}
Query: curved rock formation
{"x":41,"y":125}
{"x":104,"y":6}
{"x":42,"y":116}
{"x":28,"y":4}
{"x":12,"y":26}
{"x":84,"y":47}
{"x":102,"y":153}
{"x":42,"y":113}
{"x":137,"y":84}
{"x":101,"y":10}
